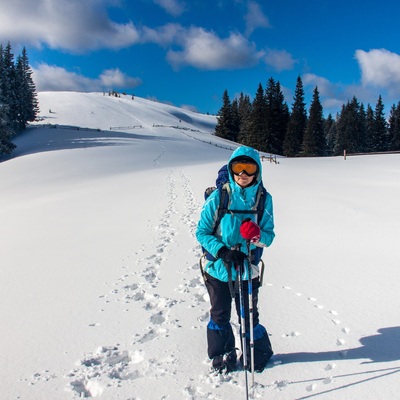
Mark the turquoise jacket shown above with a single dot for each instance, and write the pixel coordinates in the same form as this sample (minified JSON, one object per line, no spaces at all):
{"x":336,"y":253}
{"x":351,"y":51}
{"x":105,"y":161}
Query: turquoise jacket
{"x":228,"y":233}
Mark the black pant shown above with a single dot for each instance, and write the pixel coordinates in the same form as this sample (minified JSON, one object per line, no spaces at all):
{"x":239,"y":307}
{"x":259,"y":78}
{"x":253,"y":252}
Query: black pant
{"x":221,"y":301}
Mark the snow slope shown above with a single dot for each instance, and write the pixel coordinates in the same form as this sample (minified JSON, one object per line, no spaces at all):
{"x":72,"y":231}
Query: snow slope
{"x":101,"y":291}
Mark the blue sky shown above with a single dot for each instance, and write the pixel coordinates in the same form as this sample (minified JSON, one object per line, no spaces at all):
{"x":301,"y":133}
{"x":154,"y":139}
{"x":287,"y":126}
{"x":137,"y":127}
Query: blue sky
{"x":187,"y":52}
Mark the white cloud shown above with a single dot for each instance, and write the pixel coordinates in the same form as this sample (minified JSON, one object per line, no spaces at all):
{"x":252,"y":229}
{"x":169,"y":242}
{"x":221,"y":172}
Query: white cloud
{"x":114,"y":78}
{"x":80,"y":26}
{"x":325,"y":87}
{"x":280,"y":60}
{"x":205,"y":50}
{"x":164,"y":35}
{"x":334,"y":95}
{"x":50,"y":78}
{"x":72,"y":25}
{"x":173,"y":7}
{"x":53,"y":78}
{"x":379,"y":67}
{"x":255,"y":18}
{"x":380,"y":75}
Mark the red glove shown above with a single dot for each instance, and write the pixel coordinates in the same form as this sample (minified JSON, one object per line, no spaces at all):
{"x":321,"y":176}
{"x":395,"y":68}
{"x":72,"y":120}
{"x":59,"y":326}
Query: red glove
{"x":250,"y":231}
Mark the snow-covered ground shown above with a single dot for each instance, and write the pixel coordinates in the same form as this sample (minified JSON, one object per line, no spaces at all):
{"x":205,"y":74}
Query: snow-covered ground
{"x":101,"y":292}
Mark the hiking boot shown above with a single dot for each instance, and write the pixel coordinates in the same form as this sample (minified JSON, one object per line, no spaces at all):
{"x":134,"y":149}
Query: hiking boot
{"x":225,"y":363}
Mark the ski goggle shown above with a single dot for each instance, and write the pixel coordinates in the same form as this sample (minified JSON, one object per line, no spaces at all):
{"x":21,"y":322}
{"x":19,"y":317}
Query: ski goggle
{"x":249,"y":169}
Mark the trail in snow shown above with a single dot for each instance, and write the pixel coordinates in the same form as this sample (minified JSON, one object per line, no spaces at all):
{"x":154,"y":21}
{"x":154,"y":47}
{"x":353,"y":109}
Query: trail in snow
{"x":139,"y":288}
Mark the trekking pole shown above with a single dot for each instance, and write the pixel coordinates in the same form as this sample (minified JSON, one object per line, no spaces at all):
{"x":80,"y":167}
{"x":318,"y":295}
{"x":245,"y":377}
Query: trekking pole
{"x":247,"y":232}
{"x":242,"y":322}
{"x":250,"y":291}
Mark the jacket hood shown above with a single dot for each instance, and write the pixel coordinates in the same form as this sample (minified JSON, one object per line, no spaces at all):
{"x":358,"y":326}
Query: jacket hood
{"x":247,"y":152}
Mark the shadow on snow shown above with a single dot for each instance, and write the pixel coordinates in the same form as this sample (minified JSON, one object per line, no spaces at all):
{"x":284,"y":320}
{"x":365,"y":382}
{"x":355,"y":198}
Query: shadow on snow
{"x":380,"y":348}
{"x":383,"y":347}
{"x":38,"y":139}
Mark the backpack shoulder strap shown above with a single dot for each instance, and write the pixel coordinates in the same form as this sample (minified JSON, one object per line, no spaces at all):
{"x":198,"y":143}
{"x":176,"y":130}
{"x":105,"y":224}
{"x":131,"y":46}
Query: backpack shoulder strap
{"x":224,"y":194}
{"x":260,"y":201}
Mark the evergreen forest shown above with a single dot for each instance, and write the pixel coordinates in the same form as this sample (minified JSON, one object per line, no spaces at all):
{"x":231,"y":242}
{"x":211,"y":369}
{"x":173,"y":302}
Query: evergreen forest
{"x":18,"y":97}
{"x":267,"y":124}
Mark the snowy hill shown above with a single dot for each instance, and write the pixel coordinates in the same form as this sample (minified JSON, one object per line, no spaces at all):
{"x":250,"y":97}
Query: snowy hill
{"x":101,"y":292}
{"x":121,"y":111}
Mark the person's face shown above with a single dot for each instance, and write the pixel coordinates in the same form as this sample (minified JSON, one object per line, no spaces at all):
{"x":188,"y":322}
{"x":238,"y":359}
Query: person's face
{"x":244,"y":172}
{"x":244,"y":180}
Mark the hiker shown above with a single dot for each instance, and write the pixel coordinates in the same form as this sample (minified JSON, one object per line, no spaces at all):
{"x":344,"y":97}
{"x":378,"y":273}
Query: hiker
{"x":245,"y":178}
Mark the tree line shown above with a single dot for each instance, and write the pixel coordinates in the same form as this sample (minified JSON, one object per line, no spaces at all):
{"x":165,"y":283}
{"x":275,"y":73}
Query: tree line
{"x":18,"y":97}
{"x":267,"y":124}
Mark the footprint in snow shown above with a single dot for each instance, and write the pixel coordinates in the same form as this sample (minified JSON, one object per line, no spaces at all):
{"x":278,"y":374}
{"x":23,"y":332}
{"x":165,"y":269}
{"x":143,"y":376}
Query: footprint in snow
{"x":280,"y":385}
{"x":152,"y":334}
{"x":330,"y":367}
{"x":158,"y":319}
{"x":312,"y":387}
{"x":132,"y":287}
{"x":291,"y":334}
{"x":102,"y":369}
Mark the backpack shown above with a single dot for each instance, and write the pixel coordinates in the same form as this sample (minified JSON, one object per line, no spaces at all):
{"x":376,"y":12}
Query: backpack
{"x":222,"y":185}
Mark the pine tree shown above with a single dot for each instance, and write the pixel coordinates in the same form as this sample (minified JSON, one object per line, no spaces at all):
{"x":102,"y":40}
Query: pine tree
{"x":256,"y":127}
{"x":1,"y":66}
{"x":356,"y":127}
{"x":362,"y":147}
{"x":314,"y":137}
{"x":26,"y":99}
{"x":394,"y":127}
{"x":297,"y":123}
{"x":369,"y":129}
{"x":244,"y":110}
{"x":341,"y":131}
{"x":8,"y":86}
{"x":379,"y":138}
{"x":269,"y":102}
{"x":277,"y":117}
{"x":6,"y":132}
{"x":235,"y":126}
{"x":330,"y":134}
{"x":351,"y":128}
{"x":223,"y":128}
